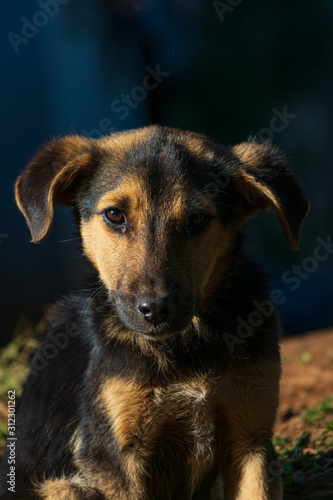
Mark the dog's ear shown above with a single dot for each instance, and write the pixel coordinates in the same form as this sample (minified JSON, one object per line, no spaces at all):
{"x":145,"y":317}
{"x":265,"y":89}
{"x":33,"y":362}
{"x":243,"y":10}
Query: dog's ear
{"x":264,"y":180}
{"x":49,"y":179}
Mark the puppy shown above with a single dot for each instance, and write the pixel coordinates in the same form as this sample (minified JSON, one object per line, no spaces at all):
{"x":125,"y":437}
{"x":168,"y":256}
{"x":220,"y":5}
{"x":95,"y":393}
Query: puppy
{"x":146,"y":387}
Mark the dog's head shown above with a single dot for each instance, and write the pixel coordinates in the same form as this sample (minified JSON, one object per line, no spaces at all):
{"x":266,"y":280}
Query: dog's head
{"x":159,"y":211}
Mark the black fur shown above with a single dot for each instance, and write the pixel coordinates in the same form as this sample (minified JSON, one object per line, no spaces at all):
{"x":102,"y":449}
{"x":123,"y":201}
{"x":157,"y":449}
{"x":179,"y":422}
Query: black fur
{"x":59,"y":395}
{"x":78,"y":354}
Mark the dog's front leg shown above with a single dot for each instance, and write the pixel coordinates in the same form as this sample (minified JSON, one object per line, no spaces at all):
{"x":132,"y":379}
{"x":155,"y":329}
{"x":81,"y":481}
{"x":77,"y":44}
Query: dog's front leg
{"x":73,"y":488}
{"x":255,"y":475}
{"x":98,"y":487}
{"x":249,"y":398}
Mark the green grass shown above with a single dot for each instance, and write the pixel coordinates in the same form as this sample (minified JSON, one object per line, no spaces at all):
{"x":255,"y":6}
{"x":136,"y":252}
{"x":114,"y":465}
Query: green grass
{"x":307,"y":456}
{"x":14,"y":367}
{"x":316,"y":414}
{"x":303,"y":458}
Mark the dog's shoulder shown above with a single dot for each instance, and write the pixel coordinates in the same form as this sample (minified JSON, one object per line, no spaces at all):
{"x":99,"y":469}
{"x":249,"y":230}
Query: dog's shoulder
{"x":49,"y":409}
{"x":251,"y":327}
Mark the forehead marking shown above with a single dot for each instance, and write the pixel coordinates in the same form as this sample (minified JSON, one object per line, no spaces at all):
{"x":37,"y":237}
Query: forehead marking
{"x":130,"y":190}
{"x":134,"y":193}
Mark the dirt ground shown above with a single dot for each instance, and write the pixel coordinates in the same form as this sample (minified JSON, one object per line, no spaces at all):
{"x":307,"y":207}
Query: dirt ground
{"x":307,"y":379}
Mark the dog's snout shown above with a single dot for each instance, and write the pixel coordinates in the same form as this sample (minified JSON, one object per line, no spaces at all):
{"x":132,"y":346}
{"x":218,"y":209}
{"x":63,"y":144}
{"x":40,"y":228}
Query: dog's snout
{"x":154,"y":310}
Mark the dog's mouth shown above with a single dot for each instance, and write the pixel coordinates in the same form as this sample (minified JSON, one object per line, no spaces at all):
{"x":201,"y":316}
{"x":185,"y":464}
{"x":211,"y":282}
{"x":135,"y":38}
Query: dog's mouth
{"x":157,"y":334}
{"x":162,"y":332}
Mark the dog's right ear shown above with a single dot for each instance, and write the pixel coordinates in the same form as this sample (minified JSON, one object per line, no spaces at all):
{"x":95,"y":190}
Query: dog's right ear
{"x":49,"y":178}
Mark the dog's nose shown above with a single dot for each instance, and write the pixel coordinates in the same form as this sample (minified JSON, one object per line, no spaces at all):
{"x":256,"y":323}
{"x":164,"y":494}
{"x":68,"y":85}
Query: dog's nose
{"x":154,"y":310}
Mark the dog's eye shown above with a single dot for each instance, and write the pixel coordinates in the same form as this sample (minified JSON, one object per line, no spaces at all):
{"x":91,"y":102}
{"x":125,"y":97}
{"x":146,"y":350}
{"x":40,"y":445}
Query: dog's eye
{"x":196,"y":221}
{"x":115,"y":216}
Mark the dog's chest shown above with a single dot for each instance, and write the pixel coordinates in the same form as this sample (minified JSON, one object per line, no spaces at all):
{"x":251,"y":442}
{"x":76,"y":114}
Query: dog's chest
{"x":184,"y":413}
{"x":168,"y":429}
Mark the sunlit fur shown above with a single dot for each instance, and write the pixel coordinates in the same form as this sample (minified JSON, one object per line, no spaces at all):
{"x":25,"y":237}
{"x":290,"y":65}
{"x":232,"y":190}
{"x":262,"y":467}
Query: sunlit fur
{"x":117,"y":407}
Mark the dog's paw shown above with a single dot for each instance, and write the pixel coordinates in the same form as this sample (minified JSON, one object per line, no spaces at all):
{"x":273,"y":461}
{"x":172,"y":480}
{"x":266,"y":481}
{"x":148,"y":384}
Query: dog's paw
{"x":67,"y":489}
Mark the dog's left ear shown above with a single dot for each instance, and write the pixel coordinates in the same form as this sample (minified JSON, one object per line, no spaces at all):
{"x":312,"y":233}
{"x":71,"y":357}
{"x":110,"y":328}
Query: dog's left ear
{"x":49,"y":179}
{"x":264,"y":180}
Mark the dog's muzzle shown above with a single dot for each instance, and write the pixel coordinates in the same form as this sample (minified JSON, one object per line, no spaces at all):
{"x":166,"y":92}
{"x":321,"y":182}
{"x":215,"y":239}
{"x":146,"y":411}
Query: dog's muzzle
{"x":155,"y":316}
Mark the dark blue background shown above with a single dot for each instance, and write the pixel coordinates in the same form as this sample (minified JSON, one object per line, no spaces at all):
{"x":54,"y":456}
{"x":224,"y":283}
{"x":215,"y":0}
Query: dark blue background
{"x":229,"y":69}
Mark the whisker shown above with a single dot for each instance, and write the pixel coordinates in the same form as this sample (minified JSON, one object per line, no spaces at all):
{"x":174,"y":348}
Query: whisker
{"x":70,"y":239}
{"x":91,"y":296}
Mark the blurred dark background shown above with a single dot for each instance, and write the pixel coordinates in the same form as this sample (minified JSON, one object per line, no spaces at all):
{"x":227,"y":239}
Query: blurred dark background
{"x":228,"y":69}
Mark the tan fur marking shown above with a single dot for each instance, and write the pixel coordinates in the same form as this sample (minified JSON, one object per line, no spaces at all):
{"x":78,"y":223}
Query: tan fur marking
{"x":248,"y":403}
{"x":196,"y":323}
{"x":268,"y":198}
{"x":130,"y":188}
{"x":76,"y":443}
{"x":18,"y":199}
{"x":73,"y":488}
{"x":249,"y":153}
{"x":107,"y":250}
{"x":258,"y":189}
{"x":124,"y":403}
{"x":176,"y":210}
{"x":137,"y":416}
{"x":193,"y":400}
{"x":125,"y":141}
{"x":66,"y":175}
{"x":252,"y":478}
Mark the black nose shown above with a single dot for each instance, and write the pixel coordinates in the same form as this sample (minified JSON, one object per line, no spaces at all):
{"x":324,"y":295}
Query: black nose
{"x":154,"y":310}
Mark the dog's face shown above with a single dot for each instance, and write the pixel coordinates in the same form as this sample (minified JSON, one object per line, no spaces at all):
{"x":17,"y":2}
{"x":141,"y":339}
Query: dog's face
{"x":153,"y":230}
{"x":159,"y":211}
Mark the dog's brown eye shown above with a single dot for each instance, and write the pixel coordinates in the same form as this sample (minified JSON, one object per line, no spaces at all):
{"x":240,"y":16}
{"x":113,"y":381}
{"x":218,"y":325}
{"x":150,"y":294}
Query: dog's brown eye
{"x":197,"y":219}
{"x":115,"y":216}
